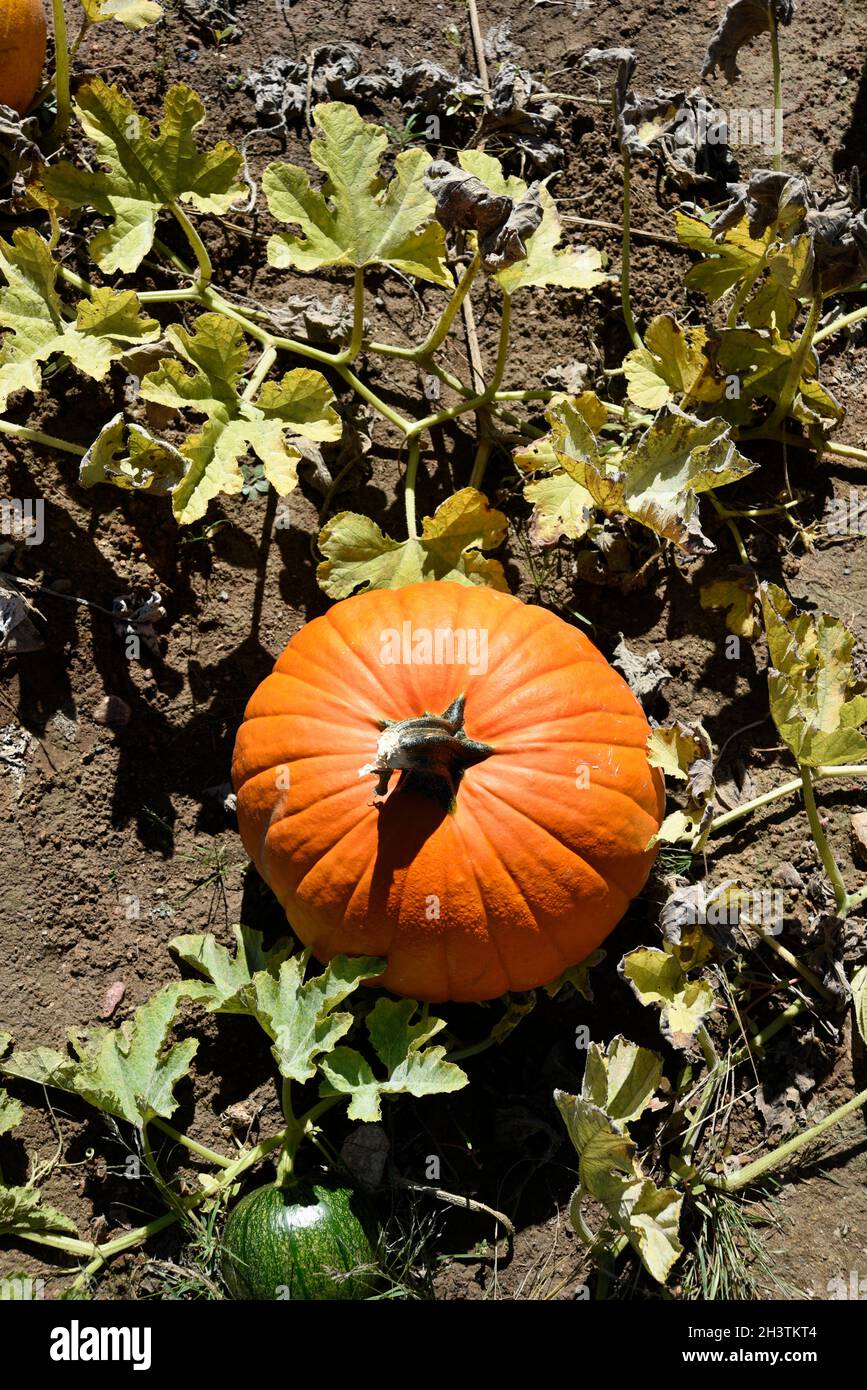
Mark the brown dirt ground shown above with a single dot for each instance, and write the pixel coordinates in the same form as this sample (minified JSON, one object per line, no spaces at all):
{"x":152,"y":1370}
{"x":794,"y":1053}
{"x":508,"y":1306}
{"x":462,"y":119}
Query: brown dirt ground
{"x":110,"y":838}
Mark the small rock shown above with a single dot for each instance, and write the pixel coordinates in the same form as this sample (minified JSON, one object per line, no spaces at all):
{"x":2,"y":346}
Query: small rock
{"x":112,"y":710}
{"x":112,"y":997}
{"x":787,"y":876}
{"x":859,"y":836}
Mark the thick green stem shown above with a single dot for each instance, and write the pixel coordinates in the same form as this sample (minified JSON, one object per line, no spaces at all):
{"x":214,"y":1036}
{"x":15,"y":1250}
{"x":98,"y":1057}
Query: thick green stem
{"x":730,"y":523}
{"x":844,"y":321}
{"x":197,"y":246}
{"x":625,"y":299}
{"x":777,"y":162}
{"x":441,"y":328}
{"x":261,"y":370}
{"x":854,"y":901}
{"x":796,"y":366}
{"x":409,"y":486}
{"x":785,"y":789}
{"x":37,"y":437}
{"x":61,"y":70}
{"x":829,"y":863}
{"x":770,"y":1161}
{"x":806,"y":974}
{"x":209,"y":1155}
{"x":353,"y":347}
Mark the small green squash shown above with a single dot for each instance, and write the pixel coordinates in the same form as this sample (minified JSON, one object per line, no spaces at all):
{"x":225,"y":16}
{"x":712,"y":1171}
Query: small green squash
{"x":303,"y":1241}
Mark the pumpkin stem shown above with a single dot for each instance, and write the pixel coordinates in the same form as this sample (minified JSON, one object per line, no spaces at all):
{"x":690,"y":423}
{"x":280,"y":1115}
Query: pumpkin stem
{"x":431,"y":753}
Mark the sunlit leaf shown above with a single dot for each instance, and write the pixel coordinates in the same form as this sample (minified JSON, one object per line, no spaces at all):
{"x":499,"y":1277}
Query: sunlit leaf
{"x":673,"y":362}
{"x":132,"y":14}
{"x":128,"y":456}
{"x":657,"y":977}
{"x":360,"y":556}
{"x":732,"y":258}
{"x":570,"y":268}
{"x":738,"y":597}
{"x":816,"y":702}
{"x":22,"y":1210}
{"x":145,"y":173}
{"x":356,"y":219}
{"x":411,"y":1065}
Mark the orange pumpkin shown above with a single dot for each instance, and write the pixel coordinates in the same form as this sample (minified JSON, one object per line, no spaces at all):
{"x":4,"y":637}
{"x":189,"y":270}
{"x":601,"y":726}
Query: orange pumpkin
{"x":22,"y":51}
{"x":504,"y":834}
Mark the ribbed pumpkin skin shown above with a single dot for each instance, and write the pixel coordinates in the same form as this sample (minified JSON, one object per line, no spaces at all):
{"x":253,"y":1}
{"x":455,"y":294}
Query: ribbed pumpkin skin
{"x":295,"y":1244}
{"x":528,"y":873}
{"x":22,"y":51}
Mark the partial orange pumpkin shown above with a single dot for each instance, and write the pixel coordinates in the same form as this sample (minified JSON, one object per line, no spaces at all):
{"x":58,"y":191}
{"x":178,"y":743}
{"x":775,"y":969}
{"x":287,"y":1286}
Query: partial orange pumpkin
{"x":480,"y":844}
{"x":22,"y":51}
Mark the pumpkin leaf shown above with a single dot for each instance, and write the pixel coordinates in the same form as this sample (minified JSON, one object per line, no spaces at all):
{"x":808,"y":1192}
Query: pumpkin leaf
{"x":128,"y":456}
{"x":561,"y":507}
{"x":129,"y":1072}
{"x":301,"y":403}
{"x":673,"y":362}
{"x":657,"y":977}
{"x":356,"y":219}
{"x":299,"y":1016}
{"x":32,"y":313}
{"x":621,"y":1080}
{"x":23,"y":1210}
{"x":544,"y":264}
{"x":145,"y":173}
{"x":648,"y":1216}
{"x":656,"y":482}
{"x":11,"y":1112}
{"x":817,"y":704}
{"x":411,"y":1066}
{"x":132,"y":14}
{"x":229,"y":975}
{"x":738,"y":597}
{"x":360,"y":556}
{"x":728,"y":259}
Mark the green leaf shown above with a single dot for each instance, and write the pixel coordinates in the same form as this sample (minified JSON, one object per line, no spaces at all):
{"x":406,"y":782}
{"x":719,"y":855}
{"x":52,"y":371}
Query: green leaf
{"x":11,"y":1112}
{"x":621,"y":1080}
{"x":673,"y":362}
{"x":32,"y":312}
{"x":727,"y":261}
{"x":129,"y":1072}
{"x":299,"y":1017}
{"x":816,"y":702}
{"x":146,"y":173}
{"x":132,"y":14}
{"x":648,"y":1216}
{"x":128,"y":456}
{"x":658,"y":481}
{"x":574,"y":269}
{"x":229,"y":975}
{"x":23,"y":1210}
{"x":657,"y":977}
{"x":411,"y":1066}
{"x":360,"y":556}
{"x":356,"y":219}
{"x":789,"y":279}
{"x":300,"y":404}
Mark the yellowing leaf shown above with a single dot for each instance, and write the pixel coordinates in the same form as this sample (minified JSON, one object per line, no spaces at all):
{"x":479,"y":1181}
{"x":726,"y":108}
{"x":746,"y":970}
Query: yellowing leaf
{"x":561,"y":507}
{"x":622,"y":1080}
{"x":126,"y":455}
{"x":22,"y":1210}
{"x":738,"y":598}
{"x":145,"y":173}
{"x":658,"y":978}
{"x":32,"y":313}
{"x":789,"y":279}
{"x":132,"y":14}
{"x":672,"y":362}
{"x":659,"y":479}
{"x":816,"y":702}
{"x":360,"y":556}
{"x":571,"y":268}
{"x":356,"y":219}
{"x":301,"y":403}
{"x":726,"y":262}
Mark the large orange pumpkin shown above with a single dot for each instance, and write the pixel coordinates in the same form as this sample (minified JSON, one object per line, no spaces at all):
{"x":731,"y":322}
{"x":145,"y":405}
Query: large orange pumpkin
{"x":22,"y":51}
{"x":480,"y":844}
